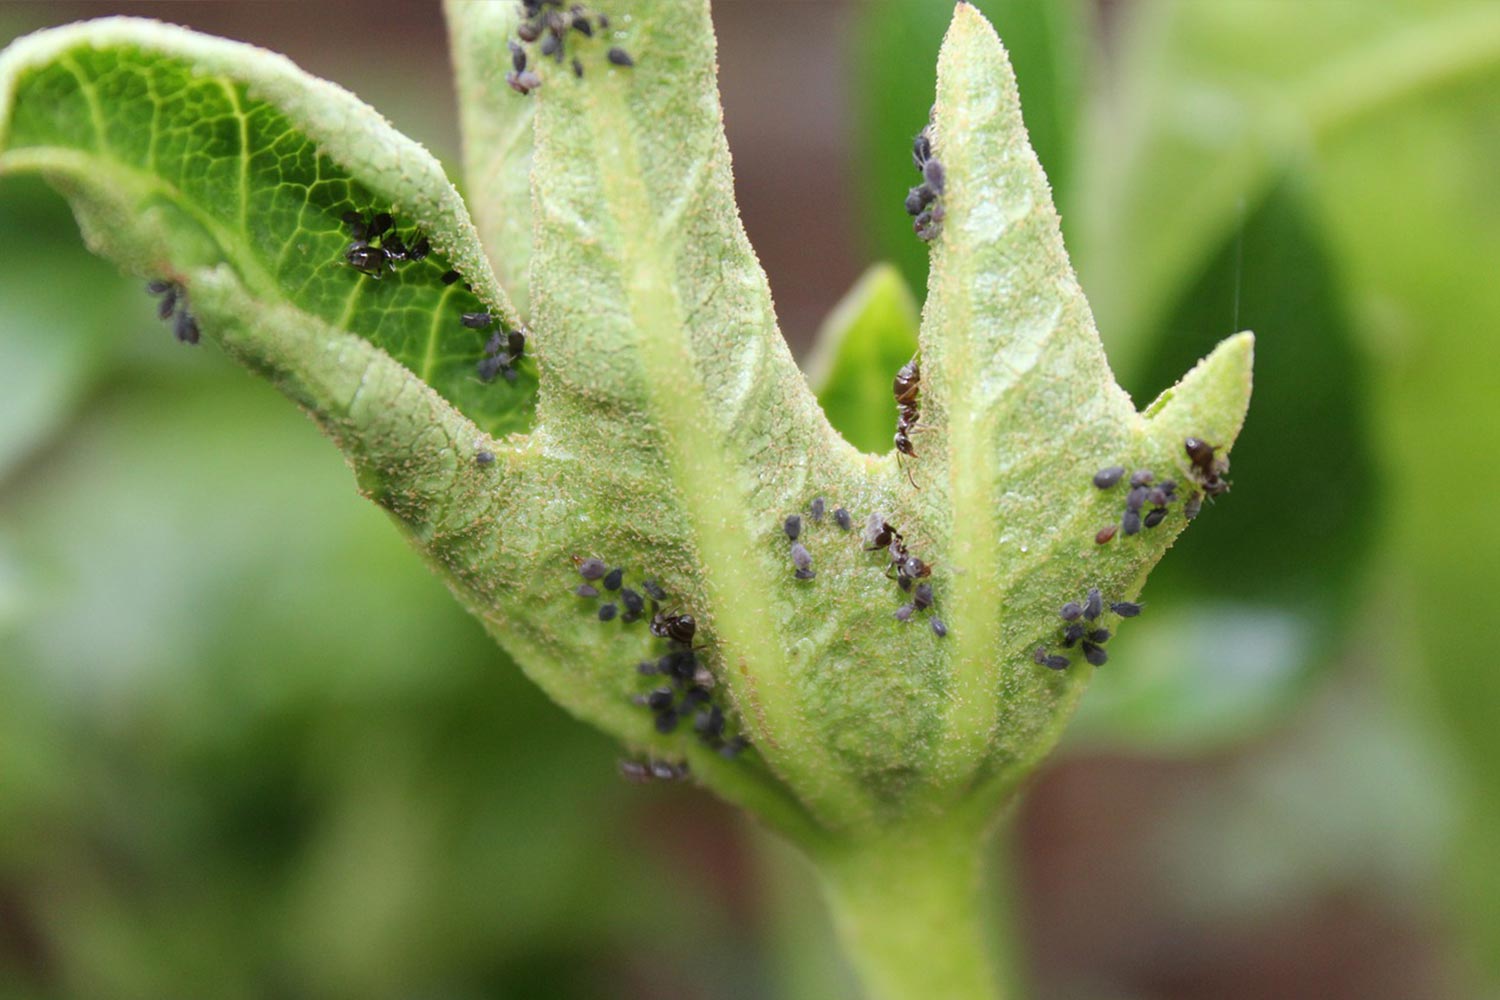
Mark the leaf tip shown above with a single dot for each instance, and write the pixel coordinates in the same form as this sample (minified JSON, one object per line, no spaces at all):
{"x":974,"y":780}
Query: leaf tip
{"x":1212,"y":399}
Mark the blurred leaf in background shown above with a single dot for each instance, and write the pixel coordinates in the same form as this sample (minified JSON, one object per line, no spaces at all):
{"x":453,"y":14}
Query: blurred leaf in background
{"x":251,"y":745}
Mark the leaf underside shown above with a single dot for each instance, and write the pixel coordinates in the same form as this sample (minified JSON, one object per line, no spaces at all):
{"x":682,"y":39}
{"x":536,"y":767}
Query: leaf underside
{"x":673,"y":434}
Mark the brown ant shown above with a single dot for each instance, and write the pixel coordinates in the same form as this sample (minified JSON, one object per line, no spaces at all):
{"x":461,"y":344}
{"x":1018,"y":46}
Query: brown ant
{"x":1208,"y":467}
{"x":908,"y":567}
{"x":907,"y":387}
{"x":678,"y":628}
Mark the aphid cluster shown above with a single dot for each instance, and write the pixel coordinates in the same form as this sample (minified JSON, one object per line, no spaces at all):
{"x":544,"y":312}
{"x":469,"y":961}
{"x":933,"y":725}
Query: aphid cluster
{"x":925,"y":201}
{"x":1208,"y":467}
{"x":501,"y":351}
{"x":548,"y":25}
{"x":640,"y":772}
{"x":689,"y":689}
{"x":801,"y":558}
{"x":1144,"y":491}
{"x":1079,"y":629}
{"x":907,"y":387}
{"x":908,"y":570}
{"x":174,"y":300}
{"x":376,"y":245}
{"x":596,"y":573}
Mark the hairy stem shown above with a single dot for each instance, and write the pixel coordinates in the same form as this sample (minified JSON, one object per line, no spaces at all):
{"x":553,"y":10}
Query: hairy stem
{"x":910,"y":913}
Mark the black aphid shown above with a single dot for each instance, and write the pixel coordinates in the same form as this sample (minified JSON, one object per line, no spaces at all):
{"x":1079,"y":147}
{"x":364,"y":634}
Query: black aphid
{"x":1136,"y":498}
{"x":842,"y":519}
{"x":659,"y":699}
{"x":1093,"y":607}
{"x":523,"y":83}
{"x":620,"y":57}
{"x":484,"y":457}
{"x":1193,"y":506}
{"x":586,"y":590}
{"x":792,"y":526}
{"x":938,"y":628}
{"x":919,"y":198}
{"x":653,"y":590}
{"x":517,"y":57}
{"x":801,"y":558}
{"x":934,"y":174}
{"x":1052,"y":661}
{"x":709,"y":723}
{"x":634,"y":603}
{"x":607,"y":612}
{"x":1145,"y":477}
{"x":449,"y":277}
{"x":1105,"y":478}
{"x":635,"y":771}
{"x":817,"y":508}
{"x":663,"y":770}
{"x":1099,"y":635}
{"x":805,"y":573}
{"x":921,"y":149}
{"x":577,"y":68}
{"x":1095,"y":654}
{"x":666,"y":721}
{"x":614,"y":578}
{"x":922,"y":596}
{"x":1131,"y":522}
{"x":477,"y":320}
{"x":1158,"y":497}
{"x":647,"y":668}
{"x":1072,"y":634}
{"x":904,"y":613}
{"x":1071,"y":612}
{"x":734,"y":747}
{"x":185,"y":329}
{"x":1155,"y":517}
{"x":592,"y":569}
{"x":1125,"y":609}
{"x":1105,"y":535}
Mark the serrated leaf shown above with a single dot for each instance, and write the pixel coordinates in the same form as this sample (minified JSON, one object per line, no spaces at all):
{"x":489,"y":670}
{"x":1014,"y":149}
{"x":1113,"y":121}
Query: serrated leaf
{"x":869,"y":335}
{"x":179,"y":152}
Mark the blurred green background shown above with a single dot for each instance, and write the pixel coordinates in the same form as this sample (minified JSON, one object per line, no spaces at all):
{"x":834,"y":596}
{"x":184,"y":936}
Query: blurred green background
{"x":249,"y":747}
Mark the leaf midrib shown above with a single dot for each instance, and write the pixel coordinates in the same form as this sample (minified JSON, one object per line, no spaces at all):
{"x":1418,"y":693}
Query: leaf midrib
{"x":756,"y":671}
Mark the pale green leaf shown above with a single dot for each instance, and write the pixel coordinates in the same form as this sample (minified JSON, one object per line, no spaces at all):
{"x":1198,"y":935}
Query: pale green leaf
{"x":869,"y":335}
{"x":497,"y":136}
{"x":674,"y":434}
{"x":1018,"y":391}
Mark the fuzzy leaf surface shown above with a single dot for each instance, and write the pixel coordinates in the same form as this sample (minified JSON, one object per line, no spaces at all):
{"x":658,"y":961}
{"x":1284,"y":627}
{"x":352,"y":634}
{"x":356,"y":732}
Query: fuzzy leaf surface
{"x":673,"y":434}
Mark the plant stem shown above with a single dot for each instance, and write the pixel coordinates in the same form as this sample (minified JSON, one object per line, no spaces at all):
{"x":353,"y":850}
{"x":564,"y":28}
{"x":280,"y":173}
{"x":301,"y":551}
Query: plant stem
{"x":909,"y":912}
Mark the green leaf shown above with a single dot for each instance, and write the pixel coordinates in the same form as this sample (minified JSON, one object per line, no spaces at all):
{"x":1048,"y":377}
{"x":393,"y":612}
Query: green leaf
{"x":1422,"y":271}
{"x":674,"y":433}
{"x":1018,"y":390}
{"x":52,"y":357}
{"x":894,"y":40}
{"x":1274,"y":632}
{"x":497,"y":136}
{"x":181,"y":152}
{"x":1213,"y":102}
{"x":869,"y":335}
